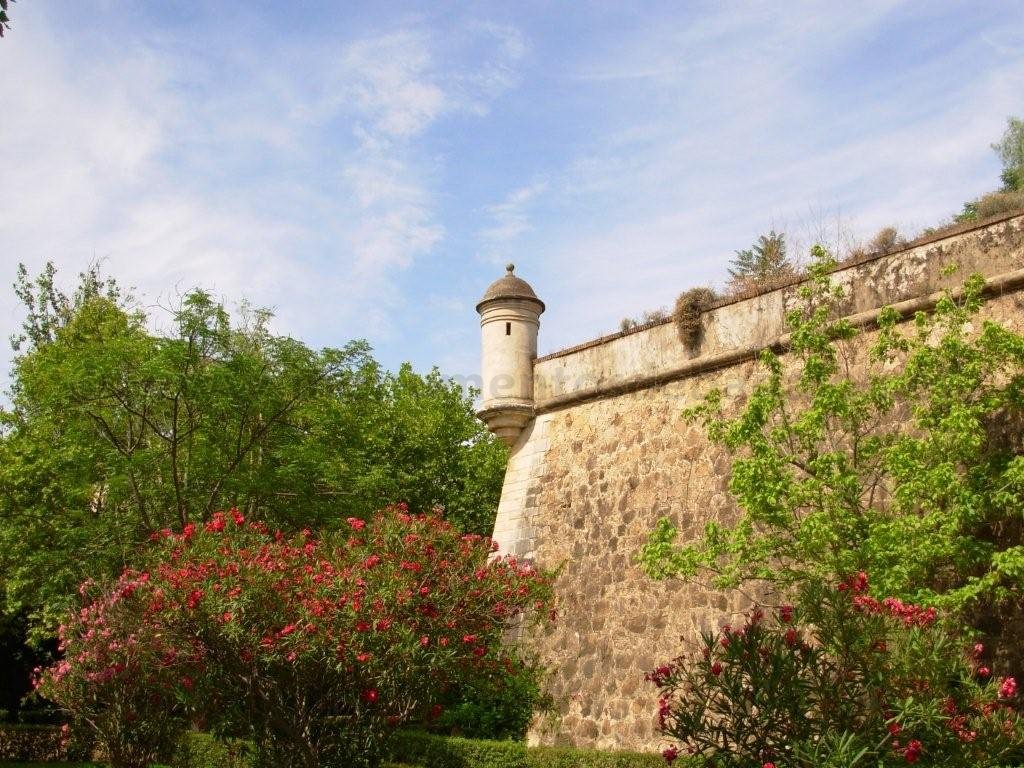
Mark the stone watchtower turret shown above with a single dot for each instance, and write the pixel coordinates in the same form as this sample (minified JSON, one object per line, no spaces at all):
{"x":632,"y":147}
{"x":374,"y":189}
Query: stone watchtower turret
{"x":509,"y":320}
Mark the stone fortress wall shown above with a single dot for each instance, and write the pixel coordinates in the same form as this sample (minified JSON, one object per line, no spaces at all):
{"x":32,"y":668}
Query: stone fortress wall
{"x":607,"y":454}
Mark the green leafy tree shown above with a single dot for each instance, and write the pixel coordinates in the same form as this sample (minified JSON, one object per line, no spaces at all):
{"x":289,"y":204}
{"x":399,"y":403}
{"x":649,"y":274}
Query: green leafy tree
{"x":5,"y":21}
{"x":1010,"y":198}
{"x":1011,"y":151}
{"x":764,"y":263}
{"x":115,"y":431}
{"x":912,"y":471}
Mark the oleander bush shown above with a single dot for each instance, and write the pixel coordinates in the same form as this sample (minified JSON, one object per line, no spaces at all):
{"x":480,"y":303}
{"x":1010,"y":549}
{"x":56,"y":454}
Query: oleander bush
{"x":126,"y":671}
{"x":842,"y":679}
{"x":313,"y":648}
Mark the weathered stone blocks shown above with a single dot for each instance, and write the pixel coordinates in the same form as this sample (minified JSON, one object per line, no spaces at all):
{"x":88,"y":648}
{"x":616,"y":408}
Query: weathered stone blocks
{"x":588,"y":480}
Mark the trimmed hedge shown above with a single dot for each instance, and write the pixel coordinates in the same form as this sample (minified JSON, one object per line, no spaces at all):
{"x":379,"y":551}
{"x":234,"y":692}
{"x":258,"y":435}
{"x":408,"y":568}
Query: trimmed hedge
{"x":42,"y":743}
{"x":430,"y":751}
{"x":426,"y":750}
{"x":32,"y":743}
{"x":564,"y":757}
{"x":419,"y":748}
{"x":201,"y":750}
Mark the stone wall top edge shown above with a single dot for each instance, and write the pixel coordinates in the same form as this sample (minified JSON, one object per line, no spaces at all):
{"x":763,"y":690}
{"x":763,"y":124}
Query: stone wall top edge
{"x":732,"y":300}
{"x":613,"y":375}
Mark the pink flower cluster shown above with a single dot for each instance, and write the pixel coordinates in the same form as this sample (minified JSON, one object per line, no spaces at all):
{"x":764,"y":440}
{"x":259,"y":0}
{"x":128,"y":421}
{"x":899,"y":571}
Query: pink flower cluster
{"x":911,"y":615}
{"x":392,"y":595}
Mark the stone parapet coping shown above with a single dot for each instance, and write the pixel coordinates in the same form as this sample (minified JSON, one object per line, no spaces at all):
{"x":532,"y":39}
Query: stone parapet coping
{"x":1000,"y":284}
{"x":724,"y":302}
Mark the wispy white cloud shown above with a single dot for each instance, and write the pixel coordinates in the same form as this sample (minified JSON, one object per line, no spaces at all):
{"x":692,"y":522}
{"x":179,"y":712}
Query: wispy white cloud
{"x":295,"y":176}
{"x":509,"y":219}
{"x":721,"y":124}
{"x":341,"y":173}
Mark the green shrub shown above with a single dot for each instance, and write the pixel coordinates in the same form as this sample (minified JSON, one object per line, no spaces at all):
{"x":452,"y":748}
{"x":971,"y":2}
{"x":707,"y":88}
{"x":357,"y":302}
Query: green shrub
{"x":424,"y":749}
{"x":201,"y":750}
{"x":996,"y":203}
{"x":499,"y":706}
{"x":41,"y":743}
{"x":419,"y":748}
{"x":564,"y":757}
{"x":992,"y":204}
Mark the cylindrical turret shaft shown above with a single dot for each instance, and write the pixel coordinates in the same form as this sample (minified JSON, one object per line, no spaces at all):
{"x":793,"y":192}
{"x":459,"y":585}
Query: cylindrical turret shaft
{"x":509,"y":322}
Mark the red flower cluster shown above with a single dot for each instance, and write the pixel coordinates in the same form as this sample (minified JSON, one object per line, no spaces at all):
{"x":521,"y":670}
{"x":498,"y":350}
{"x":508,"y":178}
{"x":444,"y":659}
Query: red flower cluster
{"x":1008,"y":688}
{"x":846,"y":644}
{"x":660,"y":676}
{"x":385,"y":615}
{"x":910,"y":615}
{"x":912,"y":753}
{"x":857,"y":584}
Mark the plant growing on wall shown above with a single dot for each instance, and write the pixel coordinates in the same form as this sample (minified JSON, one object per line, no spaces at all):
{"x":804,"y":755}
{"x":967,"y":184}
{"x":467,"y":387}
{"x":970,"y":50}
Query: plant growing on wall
{"x":690,"y":305}
{"x":763,"y":265}
{"x":1010,"y":149}
{"x":906,"y":461}
{"x":1010,"y":198}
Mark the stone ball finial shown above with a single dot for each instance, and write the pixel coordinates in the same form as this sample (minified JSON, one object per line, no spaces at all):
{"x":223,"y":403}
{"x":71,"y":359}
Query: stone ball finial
{"x":510,"y":267}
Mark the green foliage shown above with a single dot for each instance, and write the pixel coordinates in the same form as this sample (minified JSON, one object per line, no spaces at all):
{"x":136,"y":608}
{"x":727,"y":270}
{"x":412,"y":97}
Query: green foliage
{"x":567,"y":757}
{"x":762,"y":264}
{"x":992,"y":204}
{"x":843,"y":680}
{"x":312,"y":648}
{"x":20,"y":660}
{"x":497,"y":705}
{"x":48,"y":308}
{"x":418,"y":748}
{"x":115,"y":431}
{"x":912,"y":471}
{"x":201,"y":750}
{"x":34,"y":743}
{"x":1011,"y":152}
{"x":4,"y":18}
{"x":1010,"y":149}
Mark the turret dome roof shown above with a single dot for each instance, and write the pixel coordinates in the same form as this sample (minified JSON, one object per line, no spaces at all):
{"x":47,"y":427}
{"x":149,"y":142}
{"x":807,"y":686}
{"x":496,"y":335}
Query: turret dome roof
{"x":509,"y":286}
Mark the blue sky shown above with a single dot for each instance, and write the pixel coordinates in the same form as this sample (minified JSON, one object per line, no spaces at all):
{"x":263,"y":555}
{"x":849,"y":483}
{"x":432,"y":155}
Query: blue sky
{"x":365,"y":169}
